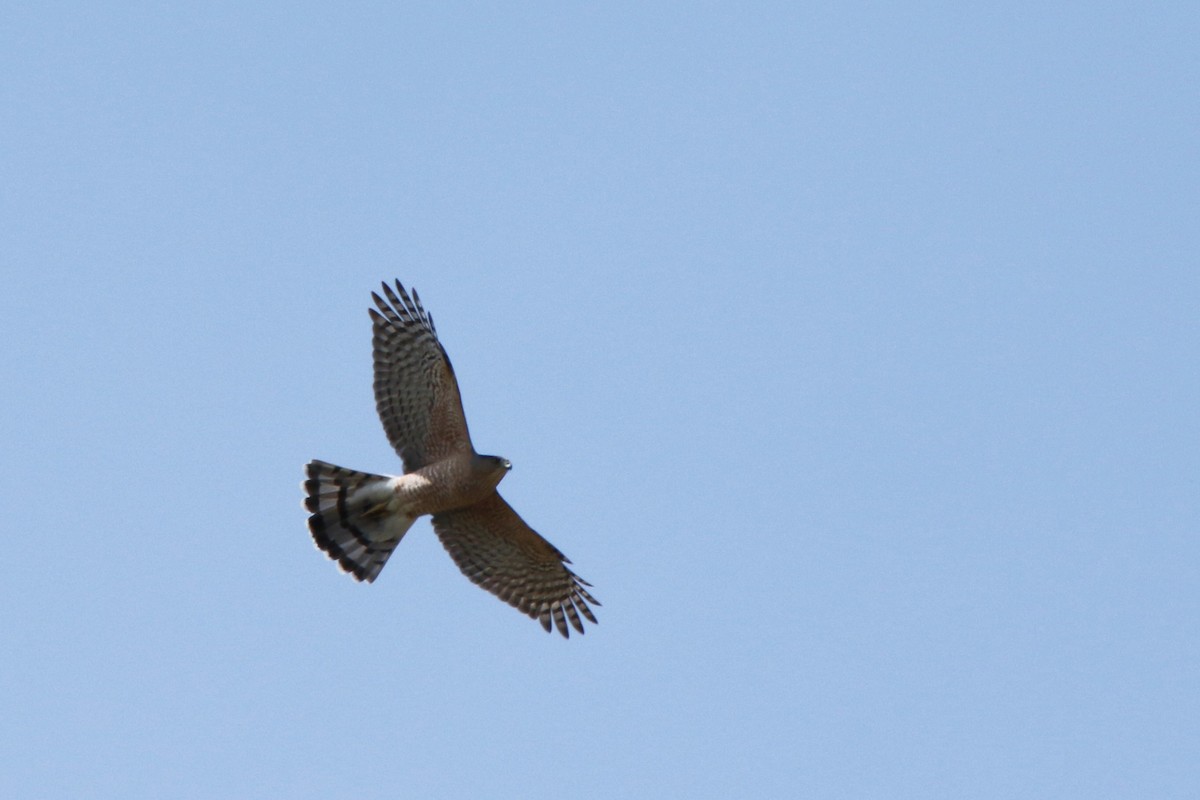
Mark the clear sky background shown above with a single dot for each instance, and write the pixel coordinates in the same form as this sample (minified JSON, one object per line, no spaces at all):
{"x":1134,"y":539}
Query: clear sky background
{"x":849,"y":350}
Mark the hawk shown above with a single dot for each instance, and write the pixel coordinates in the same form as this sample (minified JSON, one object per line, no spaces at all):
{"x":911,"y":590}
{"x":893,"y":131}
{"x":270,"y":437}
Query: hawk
{"x":358,"y":518}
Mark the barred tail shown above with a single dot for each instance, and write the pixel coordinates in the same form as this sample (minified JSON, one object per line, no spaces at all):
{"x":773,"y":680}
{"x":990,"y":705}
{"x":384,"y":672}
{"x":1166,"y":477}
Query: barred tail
{"x":353,"y":517}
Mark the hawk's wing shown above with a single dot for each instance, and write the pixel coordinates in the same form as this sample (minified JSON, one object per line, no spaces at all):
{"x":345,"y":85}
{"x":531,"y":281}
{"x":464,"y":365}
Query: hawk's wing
{"x":497,"y":550}
{"x":416,"y":392}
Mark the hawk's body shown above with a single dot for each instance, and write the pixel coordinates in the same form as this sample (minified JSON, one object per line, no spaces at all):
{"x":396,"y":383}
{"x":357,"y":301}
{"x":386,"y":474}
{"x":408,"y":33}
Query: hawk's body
{"x":359,"y":518}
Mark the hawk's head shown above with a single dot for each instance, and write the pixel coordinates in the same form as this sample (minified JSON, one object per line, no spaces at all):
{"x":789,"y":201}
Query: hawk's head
{"x":493,"y":467}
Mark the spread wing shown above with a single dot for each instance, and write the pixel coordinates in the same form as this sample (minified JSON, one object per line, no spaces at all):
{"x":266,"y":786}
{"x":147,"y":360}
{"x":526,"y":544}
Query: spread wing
{"x":416,"y":392}
{"x":494,"y":547}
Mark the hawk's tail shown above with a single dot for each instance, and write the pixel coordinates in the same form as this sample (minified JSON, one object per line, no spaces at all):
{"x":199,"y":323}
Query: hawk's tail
{"x":352,"y":518}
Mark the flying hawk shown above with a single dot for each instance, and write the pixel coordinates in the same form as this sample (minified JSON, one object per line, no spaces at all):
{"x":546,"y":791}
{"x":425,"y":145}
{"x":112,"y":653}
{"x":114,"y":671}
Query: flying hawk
{"x":358,"y":518}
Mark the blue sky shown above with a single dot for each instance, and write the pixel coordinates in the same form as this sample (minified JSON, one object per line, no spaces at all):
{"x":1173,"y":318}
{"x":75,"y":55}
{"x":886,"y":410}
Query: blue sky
{"x":849,"y":350}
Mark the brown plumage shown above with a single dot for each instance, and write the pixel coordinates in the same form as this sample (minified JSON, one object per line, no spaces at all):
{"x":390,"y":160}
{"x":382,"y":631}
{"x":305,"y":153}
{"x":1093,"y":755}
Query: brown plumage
{"x":358,"y":518}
